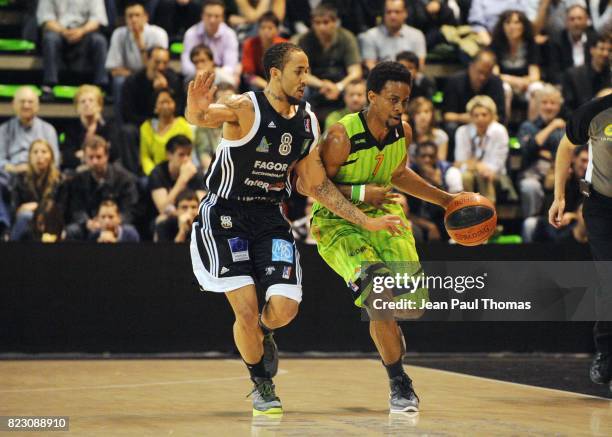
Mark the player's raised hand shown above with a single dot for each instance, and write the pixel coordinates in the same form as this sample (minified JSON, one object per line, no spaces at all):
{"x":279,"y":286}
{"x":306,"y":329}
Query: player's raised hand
{"x":201,"y":92}
{"x":391,"y":223}
{"x":379,"y":195}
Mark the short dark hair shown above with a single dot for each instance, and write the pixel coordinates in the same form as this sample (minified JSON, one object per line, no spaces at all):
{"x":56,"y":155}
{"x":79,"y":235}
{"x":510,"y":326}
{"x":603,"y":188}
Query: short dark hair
{"x":277,"y":56}
{"x":602,"y":37}
{"x":109,"y":202}
{"x":168,"y":91}
{"x":581,"y":148}
{"x":408,"y":57}
{"x":270,"y":17}
{"x":96,"y":142}
{"x":213,"y":3}
{"x":201,"y":48}
{"x":423,"y":144}
{"x":483,"y":52}
{"x":323,"y":10}
{"x":387,"y":71}
{"x":186,"y":194}
{"x":178,"y":141}
{"x":132,"y":3}
{"x":150,"y":50}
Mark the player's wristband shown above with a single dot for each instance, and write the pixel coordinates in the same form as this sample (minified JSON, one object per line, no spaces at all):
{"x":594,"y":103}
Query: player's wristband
{"x":358,"y":193}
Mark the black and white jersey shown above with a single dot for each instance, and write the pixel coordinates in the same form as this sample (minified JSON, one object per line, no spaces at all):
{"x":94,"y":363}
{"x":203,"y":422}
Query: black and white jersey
{"x":256,"y":167}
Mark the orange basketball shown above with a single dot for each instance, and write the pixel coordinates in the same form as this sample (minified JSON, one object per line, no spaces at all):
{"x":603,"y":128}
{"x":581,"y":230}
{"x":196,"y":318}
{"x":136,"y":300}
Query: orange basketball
{"x":470,"y":219}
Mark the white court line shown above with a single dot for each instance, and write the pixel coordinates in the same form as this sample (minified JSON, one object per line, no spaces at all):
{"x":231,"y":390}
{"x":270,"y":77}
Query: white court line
{"x":533,"y":387}
{"x":144,"y":384}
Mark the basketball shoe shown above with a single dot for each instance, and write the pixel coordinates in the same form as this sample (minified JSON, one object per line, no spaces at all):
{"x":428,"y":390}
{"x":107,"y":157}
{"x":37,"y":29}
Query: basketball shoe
{"x":265,"y":400}
{"x":402,"y":397}
{"x":601,"y":368}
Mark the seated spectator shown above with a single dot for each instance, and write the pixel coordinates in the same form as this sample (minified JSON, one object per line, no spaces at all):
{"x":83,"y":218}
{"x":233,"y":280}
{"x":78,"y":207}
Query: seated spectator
{"x":249,"y":13}
{"x":202,"y":58}
{"x":89,"y":103}
{"x":484,"y":15}
{"x":101,"y":181}
{"x":571,"y":46}
{"x":254,"y":48}
{"x":463,"y":86}
{"x":70,"y":32}
{"x":517,"y":58}
{"x":207,"y":139}
{"x":441,"y":174}
{"x":214,"y":33}
{"x":138,"y":93}
{"x":481,"y":148}
{"x":47,"y":224}
{"x":539,"y":140}
{"x":537,"y":228}
{"x":384,"y":42}
{"x":601,"y":15}
{"x":174,"y":175}
{"x":38,"y":183}
{"x":549,"y":16}
{"x":333,"y":55}
{"x":422,"y":86}
{"x":428,"y":16}
{"x":19,"y":132}
{"x":581,"y":84}
{"x":421,"y":114}
{"x":111,"y":228}
{"x":129,"y":45}
{"x":175,"y":16}
{"x":177,"y":226}
{"x":354,"y":101}
{"x":155,"y":133}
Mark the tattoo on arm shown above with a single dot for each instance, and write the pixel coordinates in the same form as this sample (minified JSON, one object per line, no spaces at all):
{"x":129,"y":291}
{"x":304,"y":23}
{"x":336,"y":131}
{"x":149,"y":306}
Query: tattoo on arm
{"x":328,"y":195}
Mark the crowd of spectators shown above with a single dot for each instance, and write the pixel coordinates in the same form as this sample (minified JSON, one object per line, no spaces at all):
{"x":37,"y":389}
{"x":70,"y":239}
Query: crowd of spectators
{"x":136,"y":170}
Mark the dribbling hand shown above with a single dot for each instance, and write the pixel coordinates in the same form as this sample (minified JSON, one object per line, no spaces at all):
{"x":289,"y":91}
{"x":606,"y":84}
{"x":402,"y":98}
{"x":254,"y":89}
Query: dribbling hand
{"x":391,"y":223}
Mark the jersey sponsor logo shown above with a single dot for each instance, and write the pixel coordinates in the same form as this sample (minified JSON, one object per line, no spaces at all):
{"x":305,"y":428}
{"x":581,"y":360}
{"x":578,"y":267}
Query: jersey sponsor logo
{"x":239,"y":247}
{"x":270,"y":165}
{"x":358,"y":251}
{"x":224,"y":270}
{"x":362,"y":140}
{"x":306,"y":144}
{"x":264,"y":146}
{"x":307,"y":124}
{"x":282,"y":251}
{"x":270,"y":270}
{"x":226,"y":221}
{"x":278,"y":186}
{"x":608,"y":130}
{"x":272,"y":125}
{"x":287,"y":272}
{"x":285,"y":145}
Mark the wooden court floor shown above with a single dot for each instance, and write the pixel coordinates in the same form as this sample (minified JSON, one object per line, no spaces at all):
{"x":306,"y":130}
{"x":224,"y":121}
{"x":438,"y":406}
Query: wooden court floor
{"x":320,"y":397}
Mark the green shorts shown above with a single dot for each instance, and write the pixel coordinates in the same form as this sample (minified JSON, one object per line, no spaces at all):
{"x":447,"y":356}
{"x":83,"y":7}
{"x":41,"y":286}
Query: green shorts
{"x":348,"y":248}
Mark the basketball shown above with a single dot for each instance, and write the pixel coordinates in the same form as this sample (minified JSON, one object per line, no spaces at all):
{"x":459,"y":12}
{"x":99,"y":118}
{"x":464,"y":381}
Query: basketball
{"x":470,"y":219}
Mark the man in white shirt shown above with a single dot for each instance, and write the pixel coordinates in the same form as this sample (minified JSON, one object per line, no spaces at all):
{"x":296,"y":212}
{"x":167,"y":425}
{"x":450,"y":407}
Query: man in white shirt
{"x":384,"y":42}
{"x":129,"y":45}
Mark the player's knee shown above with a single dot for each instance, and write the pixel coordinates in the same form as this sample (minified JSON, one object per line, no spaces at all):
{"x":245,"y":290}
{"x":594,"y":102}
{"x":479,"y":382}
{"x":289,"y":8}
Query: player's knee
{"x":247,"y":316}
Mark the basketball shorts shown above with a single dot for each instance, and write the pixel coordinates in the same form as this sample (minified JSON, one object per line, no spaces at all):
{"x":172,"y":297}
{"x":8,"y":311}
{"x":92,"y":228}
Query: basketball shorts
{"x":349,"y":249}
{"x":234,"y":244}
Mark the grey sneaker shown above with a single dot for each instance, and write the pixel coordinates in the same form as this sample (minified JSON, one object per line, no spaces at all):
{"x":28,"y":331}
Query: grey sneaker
{"x":402,"y":397}
{"x":265,"y":400}
{"x":270,"y":356}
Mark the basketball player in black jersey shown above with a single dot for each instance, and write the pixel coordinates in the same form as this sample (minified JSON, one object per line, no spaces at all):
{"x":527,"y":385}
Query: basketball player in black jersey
{"x":240,"y":235}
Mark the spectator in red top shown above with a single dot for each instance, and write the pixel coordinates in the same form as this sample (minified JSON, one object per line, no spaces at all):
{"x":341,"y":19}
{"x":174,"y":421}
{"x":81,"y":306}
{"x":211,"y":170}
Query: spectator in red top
{"x":254,"y":48}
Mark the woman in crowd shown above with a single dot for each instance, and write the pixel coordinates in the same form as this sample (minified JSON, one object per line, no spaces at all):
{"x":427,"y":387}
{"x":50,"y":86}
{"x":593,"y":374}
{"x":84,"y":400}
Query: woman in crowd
{"x":421,"y":113}
{"x":155,"y":133}
{"x":39,"y":183}
{"x":517,"y":57}
{"x":481,"y":148}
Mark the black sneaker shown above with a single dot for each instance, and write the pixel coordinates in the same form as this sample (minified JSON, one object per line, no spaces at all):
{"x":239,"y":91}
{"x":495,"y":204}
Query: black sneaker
{"x":601,"y":368}
{"x":402,"y":397}
{"x":265,"y":400}
{"x":270,"y":356}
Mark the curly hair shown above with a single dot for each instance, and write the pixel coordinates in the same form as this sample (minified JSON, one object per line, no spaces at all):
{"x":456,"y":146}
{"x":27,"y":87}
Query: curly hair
{"x":387,"y":71}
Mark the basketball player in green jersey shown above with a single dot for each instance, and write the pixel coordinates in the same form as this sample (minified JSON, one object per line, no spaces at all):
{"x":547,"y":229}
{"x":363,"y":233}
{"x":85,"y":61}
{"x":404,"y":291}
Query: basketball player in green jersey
{"x":362,"y":152}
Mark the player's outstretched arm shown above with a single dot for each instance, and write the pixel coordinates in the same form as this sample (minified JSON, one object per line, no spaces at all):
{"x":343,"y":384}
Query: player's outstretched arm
{"x":201,"y":108}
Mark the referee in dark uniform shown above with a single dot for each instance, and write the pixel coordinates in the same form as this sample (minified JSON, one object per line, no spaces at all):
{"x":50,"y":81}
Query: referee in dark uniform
{"x":592,"y":124}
